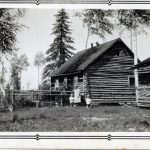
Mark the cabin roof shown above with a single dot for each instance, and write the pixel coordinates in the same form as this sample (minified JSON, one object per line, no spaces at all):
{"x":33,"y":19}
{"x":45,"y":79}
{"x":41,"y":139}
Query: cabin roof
{"x":143,"y":63}
{"x":84,"y":58}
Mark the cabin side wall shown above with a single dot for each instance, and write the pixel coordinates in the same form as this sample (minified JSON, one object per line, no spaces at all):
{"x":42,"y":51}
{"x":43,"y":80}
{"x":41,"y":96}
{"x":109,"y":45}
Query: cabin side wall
{"x":144,"y":86}
{"x":108,"y":76}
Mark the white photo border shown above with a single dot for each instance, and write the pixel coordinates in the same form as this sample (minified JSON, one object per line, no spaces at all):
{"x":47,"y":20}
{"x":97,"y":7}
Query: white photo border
{"x":74,"y":136}
{"x":108,"y":2}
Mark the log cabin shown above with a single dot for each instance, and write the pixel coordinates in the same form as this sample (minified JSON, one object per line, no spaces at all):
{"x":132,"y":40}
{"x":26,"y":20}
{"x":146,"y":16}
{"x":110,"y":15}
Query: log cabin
{"x":101,"y":71}
{"x":143,"y":69}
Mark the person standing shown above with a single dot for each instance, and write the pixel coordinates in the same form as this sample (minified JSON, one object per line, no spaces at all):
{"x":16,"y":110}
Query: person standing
{"x":77,"y":96}
{"x":71,"y":100}
{"x":88,"y":101}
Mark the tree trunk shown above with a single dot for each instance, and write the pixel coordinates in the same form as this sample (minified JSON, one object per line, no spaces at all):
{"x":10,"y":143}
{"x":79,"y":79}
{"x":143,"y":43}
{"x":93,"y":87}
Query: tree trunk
{"x":88,"y":34}
{"x":131,"y":39}
{"x":38,"y":79}
{"x":135,"y":62}
{"x":20,"y":78}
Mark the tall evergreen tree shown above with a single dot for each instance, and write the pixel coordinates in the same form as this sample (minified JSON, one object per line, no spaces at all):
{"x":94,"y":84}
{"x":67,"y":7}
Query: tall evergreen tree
{"x":9,"y":26}
{"x":60,"y":50}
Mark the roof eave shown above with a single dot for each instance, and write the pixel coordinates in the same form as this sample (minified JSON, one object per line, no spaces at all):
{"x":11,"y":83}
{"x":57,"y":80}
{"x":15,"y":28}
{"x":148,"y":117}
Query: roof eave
{"x":67,"y":74}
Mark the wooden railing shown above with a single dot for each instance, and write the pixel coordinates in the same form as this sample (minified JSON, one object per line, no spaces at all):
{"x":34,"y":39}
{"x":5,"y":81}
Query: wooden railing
{"x":41,"y":95}
{"x":46,"y":96}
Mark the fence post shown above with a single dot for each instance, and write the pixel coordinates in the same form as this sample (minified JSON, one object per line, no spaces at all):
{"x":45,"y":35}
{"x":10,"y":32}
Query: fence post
{"x":61,"y":98}
{"x":32,"y":96}
{"x":50,"y":96}
{"x":12,"y":97}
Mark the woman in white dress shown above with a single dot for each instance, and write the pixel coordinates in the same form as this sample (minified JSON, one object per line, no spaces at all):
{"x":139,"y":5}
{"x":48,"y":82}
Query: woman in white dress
{"x":88,"y":101}
{"x":77,"y":96}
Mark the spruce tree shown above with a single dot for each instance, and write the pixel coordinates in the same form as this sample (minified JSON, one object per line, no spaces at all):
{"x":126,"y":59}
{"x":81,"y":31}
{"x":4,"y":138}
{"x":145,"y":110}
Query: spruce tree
{"x":60,"y":50}
{"x":9,"y":26}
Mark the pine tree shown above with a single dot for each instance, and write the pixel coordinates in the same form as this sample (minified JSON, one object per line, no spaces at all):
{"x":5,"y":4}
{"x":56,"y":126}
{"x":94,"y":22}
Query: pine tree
{"x":60,"y":50}
{"x":9,"y":26}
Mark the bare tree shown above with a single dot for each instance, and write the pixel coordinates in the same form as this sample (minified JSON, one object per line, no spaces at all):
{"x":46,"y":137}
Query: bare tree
{"x":97,"y":21}
{"x":20,"y":63}
{"x":39,"y":61}
{"x":9,"y":26}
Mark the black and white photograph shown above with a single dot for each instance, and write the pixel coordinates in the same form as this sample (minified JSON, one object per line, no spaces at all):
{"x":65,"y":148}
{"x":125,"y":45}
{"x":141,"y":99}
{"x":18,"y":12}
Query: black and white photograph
{"x":74,"y":70}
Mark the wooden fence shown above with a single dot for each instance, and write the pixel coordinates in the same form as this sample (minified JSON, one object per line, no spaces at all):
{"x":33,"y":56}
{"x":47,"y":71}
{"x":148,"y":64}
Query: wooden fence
{"x":47,"y":97}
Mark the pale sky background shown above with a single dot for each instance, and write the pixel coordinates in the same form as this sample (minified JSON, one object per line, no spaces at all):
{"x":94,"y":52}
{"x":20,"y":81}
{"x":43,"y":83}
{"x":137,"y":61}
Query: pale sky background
{"x":37,"y":37}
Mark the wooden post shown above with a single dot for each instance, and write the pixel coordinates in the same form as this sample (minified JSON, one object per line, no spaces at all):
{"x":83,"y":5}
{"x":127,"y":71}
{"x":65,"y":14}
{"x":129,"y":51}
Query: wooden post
{"x":50,"y":96}
{"x":37,"y":104}
{"x":12,"y":98}
{"x":136,"y":71}
{"x":50,"y":87}
{"x":131,"y":38}
{"x":135,"y":63}
{"x":75,"y":81}
{"x":32,"y":96}
{"x":65,"y":83}
{"x":61,"y":98}
{"x":50,"y":82}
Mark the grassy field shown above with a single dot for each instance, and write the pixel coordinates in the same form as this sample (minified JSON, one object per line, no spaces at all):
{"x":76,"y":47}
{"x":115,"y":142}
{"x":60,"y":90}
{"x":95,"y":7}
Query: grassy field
{"x":101,"y":118}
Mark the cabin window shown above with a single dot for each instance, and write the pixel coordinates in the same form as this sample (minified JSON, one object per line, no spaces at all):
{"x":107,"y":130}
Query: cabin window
{"x":131,"y":81}
{"x":118,"y":53}
{"x":144,"y":79}
{"x":121,"y":53}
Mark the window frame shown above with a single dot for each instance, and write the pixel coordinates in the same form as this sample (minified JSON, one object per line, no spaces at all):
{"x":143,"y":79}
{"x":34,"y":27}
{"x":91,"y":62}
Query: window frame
{"x":129,"y":82}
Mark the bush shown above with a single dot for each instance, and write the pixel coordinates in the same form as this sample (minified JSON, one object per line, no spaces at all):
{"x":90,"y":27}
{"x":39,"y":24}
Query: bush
{"x":21,"y":103}
{"x":28,"y":103}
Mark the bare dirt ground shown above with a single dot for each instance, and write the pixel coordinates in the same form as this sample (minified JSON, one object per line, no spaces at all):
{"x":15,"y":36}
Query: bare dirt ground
{"x":101,"y":118}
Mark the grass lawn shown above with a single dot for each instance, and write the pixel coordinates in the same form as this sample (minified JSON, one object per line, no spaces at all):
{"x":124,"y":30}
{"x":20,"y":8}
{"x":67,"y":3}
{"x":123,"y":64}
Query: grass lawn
{"x":101,"y":118}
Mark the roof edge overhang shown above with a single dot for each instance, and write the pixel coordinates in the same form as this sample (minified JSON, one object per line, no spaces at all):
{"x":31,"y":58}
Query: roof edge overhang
{"x":140,"y":65}
{"x":67,"y":74}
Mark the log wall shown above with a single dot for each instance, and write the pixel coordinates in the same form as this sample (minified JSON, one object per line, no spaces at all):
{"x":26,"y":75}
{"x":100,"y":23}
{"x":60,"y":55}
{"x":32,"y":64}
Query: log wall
{"x":85,"y":83}
{"x":108,"y":76}
{"x":80,"y":82}
{"x":144,"y":86}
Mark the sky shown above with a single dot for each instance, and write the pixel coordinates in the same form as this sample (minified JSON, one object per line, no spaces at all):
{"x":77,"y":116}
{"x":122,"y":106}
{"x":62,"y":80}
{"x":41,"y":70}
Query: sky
{"x":37,"y":37}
